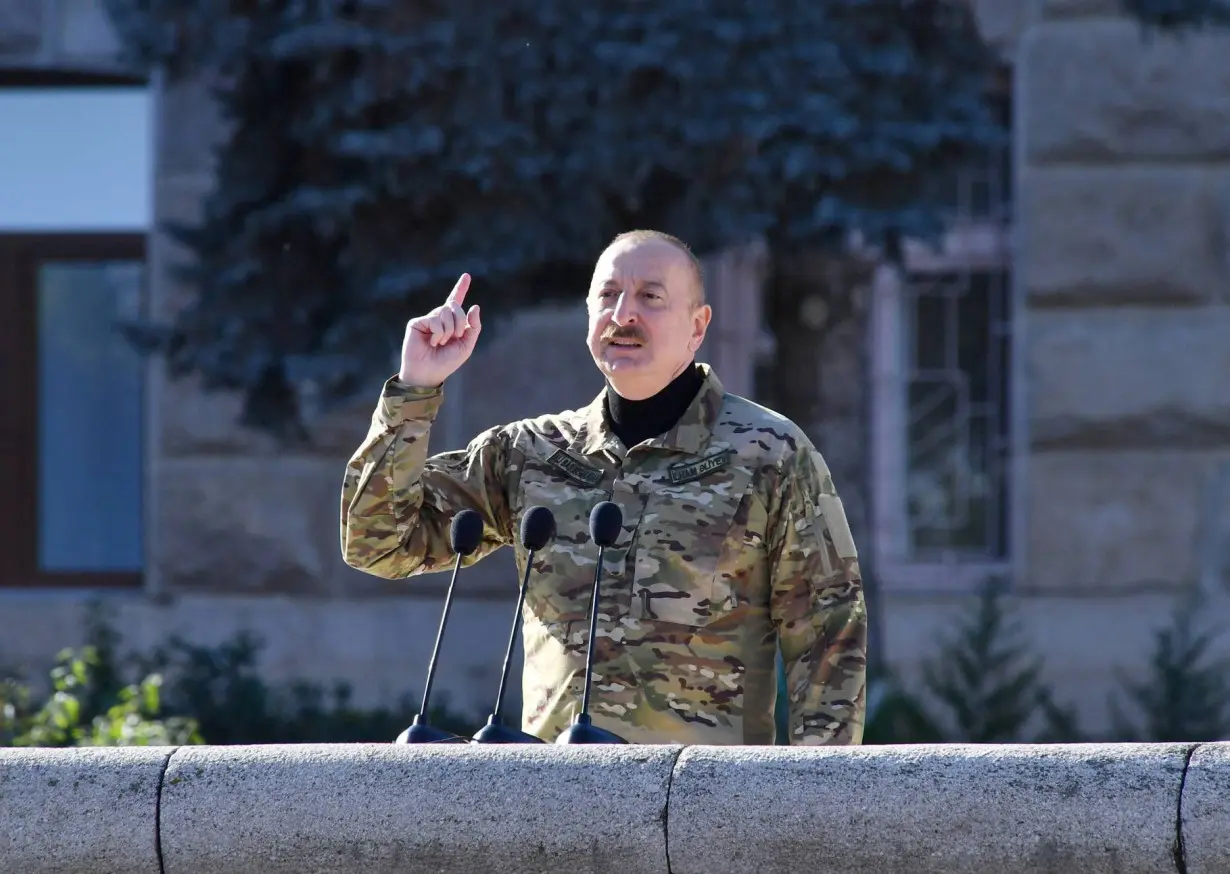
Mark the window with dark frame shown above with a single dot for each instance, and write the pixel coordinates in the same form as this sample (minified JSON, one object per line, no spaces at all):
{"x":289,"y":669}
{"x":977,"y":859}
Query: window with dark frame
{"x":958,"y":391}
{"x":71,"y":391}
{"x":958,"y":374}
{"x":71,"y":388}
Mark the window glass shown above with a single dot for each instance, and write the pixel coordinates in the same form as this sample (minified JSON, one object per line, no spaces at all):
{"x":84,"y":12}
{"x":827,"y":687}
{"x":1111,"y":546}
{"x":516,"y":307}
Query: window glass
{"x":75,"y":159}
{"x":90,"y":417}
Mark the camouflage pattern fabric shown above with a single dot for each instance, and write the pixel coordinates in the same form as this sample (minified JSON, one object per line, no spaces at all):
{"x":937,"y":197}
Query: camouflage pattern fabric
{"x":733,"y":537}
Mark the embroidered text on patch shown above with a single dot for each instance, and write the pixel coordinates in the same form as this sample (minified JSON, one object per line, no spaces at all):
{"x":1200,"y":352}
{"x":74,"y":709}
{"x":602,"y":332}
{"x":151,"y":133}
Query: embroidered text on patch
{"x":582,"y":473}
{"x":685,"y":472}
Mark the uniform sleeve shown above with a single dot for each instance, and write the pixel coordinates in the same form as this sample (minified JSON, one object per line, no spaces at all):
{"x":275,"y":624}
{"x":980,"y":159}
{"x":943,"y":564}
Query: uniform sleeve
{"x":817,"y":606}
{"x":398,"y":504}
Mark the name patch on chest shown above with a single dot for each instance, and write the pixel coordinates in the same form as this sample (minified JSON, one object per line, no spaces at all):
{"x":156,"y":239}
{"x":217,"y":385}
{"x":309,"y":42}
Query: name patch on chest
{"x":687,"y":471}
{"x":575,"y":470}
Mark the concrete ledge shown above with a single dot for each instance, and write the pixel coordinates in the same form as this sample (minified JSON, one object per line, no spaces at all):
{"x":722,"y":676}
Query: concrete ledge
{"x":384,"y":809}
{"x":71,"y":811}
{"x":914,"y":809}
{"x":1205,"y":822}
{"x":376,"y":808}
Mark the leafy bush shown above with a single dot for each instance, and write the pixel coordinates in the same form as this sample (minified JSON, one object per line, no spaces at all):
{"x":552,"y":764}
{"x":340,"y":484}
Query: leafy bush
{"x":75,"y":714}
{"x":192,"y":694}
{"x":222,"y":689}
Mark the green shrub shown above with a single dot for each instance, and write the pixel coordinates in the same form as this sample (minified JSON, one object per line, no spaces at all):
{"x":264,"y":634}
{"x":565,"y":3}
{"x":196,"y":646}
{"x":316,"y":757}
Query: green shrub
{"x":183,"y":693}
{"x":77,"y":711}
{"x":222,"y":689}
{"x":1185,"y":696}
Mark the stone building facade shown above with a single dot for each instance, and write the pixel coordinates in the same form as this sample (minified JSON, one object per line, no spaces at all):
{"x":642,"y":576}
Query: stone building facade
{"x":1096,"y":403}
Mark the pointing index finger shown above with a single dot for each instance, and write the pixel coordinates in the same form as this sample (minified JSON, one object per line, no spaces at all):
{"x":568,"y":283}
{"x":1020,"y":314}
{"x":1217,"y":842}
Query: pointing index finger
{"x":458,"y":294}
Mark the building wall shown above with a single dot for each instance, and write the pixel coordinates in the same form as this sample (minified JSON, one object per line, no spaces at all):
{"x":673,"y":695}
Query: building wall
{"x":1125,"y":181}
{"x":1121,"y":255}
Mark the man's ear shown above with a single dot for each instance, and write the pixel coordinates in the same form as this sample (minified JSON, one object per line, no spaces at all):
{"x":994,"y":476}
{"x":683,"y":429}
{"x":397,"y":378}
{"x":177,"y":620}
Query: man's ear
{"x":700,"y":325}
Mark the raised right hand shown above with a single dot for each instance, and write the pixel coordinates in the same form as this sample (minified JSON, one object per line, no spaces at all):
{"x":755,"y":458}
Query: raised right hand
{"x":438,"y":343}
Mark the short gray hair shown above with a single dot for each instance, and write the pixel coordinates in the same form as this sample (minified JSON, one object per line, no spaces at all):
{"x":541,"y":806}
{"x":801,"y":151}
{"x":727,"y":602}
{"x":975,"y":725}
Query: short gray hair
{"x":648,"y":236}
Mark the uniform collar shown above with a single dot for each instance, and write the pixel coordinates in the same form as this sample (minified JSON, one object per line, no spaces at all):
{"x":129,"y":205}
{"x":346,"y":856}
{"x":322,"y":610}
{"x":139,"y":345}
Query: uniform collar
{"x":689,"y":435}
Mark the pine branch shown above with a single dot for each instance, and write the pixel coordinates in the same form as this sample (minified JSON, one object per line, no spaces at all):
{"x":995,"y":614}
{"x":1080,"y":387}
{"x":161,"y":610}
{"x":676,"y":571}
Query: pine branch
{"x":1185,"y":693}
{"x":378,"y":149}
{"x":989,"y":683}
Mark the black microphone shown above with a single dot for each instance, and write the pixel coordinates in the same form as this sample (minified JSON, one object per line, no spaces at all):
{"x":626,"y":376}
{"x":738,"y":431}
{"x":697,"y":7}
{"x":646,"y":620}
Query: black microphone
{"x":537,"y":529}
{"x":465,"y":534}
{"x":605,"y":522}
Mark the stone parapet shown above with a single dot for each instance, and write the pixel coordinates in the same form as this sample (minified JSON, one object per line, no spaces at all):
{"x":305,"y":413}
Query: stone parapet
{"x":377,"y":808}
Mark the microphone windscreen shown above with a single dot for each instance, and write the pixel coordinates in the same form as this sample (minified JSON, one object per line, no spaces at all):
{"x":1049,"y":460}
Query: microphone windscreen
{"x":537,"y":528}
{"x":466,"y":532}
{"x":605,"y":520}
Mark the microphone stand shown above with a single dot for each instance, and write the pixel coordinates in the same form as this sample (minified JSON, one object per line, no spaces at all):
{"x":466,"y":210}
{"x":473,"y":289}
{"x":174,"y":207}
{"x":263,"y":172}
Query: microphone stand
{"x":420,"y":731}
{"x":495,"y":732}
{"x":582,"y":730}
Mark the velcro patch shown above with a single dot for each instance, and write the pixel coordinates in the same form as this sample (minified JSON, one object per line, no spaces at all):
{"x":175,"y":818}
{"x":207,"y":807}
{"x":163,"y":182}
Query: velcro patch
{"x":834,"y":515}
{"x":686,"y":471}
{"x":583,"y":473}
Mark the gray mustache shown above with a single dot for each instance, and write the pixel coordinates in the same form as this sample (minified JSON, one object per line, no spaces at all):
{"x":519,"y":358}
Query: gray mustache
{"x":624,"y":334}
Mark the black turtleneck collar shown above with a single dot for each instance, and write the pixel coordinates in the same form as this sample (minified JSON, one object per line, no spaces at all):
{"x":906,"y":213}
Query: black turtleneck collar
{"x":635,"y":421}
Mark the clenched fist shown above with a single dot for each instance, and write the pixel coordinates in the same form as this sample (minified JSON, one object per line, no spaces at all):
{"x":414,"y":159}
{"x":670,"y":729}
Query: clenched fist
{"x":441,"y":341}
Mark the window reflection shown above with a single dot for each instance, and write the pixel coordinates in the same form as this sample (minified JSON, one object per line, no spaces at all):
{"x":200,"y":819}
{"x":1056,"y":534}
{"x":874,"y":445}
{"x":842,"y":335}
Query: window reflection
{"x":90,"y":417}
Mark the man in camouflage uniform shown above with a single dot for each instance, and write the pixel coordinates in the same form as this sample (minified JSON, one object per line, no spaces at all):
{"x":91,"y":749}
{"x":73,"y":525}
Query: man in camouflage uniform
{"x":733,"y":535}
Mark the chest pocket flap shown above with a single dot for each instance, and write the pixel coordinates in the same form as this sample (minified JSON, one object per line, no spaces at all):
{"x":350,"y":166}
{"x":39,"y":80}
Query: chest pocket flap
{"x":561,"y":585}
{"x":695,"y":512}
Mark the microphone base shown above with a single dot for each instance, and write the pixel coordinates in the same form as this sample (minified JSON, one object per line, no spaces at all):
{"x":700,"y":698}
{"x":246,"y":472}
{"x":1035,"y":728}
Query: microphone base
{"x":582,"y":731}
{"x":495,"y":733}
{"x":422,"y":733}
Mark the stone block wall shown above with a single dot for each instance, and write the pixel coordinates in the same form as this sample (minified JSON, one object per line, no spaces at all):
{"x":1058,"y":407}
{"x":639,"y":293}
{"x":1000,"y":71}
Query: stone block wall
{"x":1124,"y":259}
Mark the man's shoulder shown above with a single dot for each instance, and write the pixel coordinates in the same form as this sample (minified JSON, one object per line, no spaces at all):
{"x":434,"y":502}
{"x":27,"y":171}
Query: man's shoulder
{"x":559,"y":428}
{"x":754,"y":430}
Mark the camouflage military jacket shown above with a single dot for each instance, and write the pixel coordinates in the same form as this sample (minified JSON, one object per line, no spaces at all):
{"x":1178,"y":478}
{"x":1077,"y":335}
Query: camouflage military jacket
{"x":733,"y":538}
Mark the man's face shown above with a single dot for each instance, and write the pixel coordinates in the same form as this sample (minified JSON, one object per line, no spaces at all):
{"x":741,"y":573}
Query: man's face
{"x":645,"y":321}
